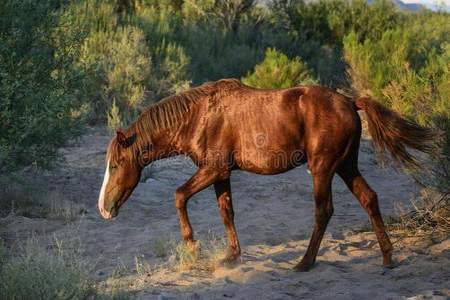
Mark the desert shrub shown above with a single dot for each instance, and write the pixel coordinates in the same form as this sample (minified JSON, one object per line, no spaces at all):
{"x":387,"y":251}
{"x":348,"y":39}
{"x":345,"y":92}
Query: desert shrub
{"x":430,"y":216}
{"x":39,"y":106}
{"x":121,"y":67}
{"x":114,"y":118}
{"x":407,"y":69}
{"x":128,"y":57}
{"x":226,"y":13}
{"x":206,"y":256}
{"x":316,"y":30}
{"x":36,"y":202}
{"x":171,"y":69}
{"x":3,"y":254}
{"x":51,"y":268}
{"x":36,"y":273}
{"x":218,"y":53}
{"x":278,"y":71}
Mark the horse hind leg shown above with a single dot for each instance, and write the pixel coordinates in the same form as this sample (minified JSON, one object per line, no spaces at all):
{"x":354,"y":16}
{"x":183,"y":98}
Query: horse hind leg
{"x":369,"y":201}
{"x":323,"y":213}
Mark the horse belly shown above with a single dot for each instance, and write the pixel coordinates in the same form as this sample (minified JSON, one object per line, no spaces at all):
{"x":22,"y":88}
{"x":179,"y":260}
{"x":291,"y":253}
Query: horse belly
{"x":268,"y":159}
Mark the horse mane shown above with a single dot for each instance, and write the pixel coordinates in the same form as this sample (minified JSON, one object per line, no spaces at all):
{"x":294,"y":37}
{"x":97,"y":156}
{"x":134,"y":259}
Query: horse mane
{"x":168,"y":113}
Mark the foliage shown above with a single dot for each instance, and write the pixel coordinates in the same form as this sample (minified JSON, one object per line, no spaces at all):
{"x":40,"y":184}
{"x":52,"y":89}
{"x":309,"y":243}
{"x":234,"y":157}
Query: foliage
{"x":317,"y":29}
{"x":217,"y":52}
{"x":408,"y":69}
{"x":39,"y":107}
{"x":126,"y":59}
{"x":121,"y":67}
{"x":65,"y":62}
{"x":278,"y":71}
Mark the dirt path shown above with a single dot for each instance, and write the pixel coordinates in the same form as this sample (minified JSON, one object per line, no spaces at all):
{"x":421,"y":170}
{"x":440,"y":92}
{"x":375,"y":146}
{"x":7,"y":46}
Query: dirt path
{"x":274,"y":217}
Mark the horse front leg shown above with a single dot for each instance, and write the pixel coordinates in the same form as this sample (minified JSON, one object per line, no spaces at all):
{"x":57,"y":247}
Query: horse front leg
{"x":203,"y":178}
{"x":224,"y":201}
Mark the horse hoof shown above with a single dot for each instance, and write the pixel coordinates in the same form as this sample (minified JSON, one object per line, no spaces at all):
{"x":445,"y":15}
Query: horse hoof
{"x":193,"y":246}
{"x":230,"y":260}
{"x":390,"y":265}
{"x":303,"y":267}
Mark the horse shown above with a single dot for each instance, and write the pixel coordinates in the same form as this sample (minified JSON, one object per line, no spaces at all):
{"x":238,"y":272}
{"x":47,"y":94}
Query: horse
{"x":225,"y":125}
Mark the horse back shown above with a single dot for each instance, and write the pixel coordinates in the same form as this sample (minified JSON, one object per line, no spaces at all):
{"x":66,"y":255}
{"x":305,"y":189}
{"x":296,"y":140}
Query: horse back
{"x":267,"y":131}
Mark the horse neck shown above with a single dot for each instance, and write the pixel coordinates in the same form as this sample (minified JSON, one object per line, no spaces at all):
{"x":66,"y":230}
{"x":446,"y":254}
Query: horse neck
{"x":163,"y":144}
{"x":166,"y":141}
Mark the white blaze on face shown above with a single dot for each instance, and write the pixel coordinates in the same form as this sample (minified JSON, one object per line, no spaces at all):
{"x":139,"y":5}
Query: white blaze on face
{"x":101,"y":198}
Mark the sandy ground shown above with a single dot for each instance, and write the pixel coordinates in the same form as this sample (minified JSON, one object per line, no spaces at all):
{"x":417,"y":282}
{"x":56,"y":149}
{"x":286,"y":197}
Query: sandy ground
{"x":274,"y":217}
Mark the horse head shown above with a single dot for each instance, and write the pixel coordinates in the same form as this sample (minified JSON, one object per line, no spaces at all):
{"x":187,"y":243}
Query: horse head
{"x":122,"y":175}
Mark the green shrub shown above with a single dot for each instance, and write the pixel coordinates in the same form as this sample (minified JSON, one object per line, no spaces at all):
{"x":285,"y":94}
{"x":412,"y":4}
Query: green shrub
{"x":121,"y":69}
{"x":129,"y":59}
{"x":2,"y":254}
{"x":407,"y":69}
{"x":278,"y":71}
{"x":171,"y":70}
{"x":39,"y":106}
{"x":114,"y":119}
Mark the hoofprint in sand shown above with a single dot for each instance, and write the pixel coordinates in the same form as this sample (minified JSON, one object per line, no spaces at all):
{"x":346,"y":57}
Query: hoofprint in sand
{"x":274,"y":218}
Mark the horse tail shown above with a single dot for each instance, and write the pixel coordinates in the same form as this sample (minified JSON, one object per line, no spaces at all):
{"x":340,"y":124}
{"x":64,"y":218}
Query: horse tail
{"x":395,"y":134}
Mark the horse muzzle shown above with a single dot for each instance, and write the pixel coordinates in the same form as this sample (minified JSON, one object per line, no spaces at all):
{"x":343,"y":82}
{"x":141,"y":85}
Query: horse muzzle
{"x":113,"y":210}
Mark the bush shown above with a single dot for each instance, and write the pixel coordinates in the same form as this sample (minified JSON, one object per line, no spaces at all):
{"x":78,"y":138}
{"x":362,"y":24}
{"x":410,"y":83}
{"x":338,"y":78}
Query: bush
{"x":120,"y":69}
{"x":32,"y":201}
{"x":316,"y":30}
{"x":125,"y":57}
{"x":37,"y":269}
{"x":407,"y":69}
{"x":430,"y":216}
{"x":278,"y":71}
{"x":38,"y":274}
{"x":39,"y":106}
{"x":217,"y":53}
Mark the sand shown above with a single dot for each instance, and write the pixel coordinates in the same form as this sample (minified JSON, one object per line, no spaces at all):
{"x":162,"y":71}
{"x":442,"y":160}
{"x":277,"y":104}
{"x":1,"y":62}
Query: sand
{"x":273,"y":216}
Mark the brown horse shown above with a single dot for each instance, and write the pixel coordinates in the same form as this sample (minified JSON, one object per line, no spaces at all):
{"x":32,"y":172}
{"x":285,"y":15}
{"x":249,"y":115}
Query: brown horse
{"x":225,"y":125}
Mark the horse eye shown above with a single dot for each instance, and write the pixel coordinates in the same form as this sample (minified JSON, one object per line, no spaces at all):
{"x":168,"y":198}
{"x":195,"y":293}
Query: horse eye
{"x":113,"y":167}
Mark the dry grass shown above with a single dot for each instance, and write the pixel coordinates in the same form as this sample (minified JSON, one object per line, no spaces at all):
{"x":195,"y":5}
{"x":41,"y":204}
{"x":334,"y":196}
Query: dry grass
{"x":176,"y":257}
{"x":430,"y":216}
{"x":180,"y":257}
{"x":206,"y":257}
{"x":142,"y":266}
{"x":161,"y":246}
{"x":35,"y":202}
{"x":31,"y":271}
{"x":51,"y":268}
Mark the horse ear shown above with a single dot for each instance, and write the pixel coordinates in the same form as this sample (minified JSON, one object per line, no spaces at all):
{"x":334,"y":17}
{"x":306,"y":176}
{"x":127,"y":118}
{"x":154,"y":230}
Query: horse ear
{"x":123,"y":140}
